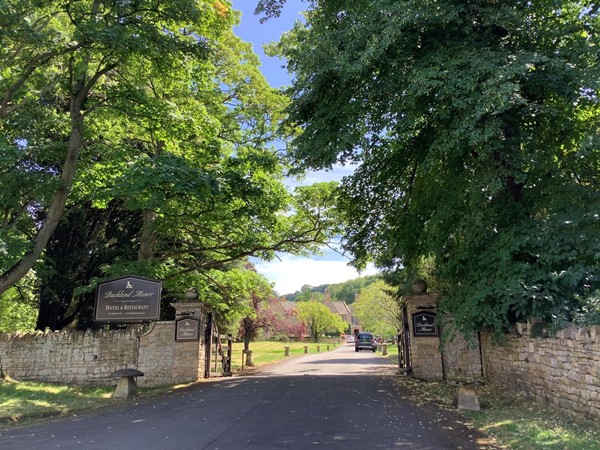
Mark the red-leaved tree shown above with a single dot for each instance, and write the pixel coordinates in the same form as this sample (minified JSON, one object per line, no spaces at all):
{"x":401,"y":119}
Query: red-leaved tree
{"x":261,"y":319}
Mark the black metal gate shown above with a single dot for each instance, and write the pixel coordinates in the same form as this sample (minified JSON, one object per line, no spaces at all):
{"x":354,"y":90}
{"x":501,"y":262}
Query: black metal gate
{"x":404,"y":344}
{"x":218,"y":350}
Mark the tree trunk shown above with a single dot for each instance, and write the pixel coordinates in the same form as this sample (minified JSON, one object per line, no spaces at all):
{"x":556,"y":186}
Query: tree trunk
{"x":247,"y":340}
{"x":81,"y":86}
{"x":56,"y":209}
{"x":146,"y":251}
{"x":47,"y":315}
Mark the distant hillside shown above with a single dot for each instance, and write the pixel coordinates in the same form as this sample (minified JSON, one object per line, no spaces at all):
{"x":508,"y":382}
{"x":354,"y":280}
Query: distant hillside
{"x":345,"y":291}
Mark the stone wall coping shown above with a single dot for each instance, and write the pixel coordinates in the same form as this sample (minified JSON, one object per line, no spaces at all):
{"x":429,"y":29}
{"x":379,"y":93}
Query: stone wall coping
{"x":128,"y":333}
{"x":575,"y":333}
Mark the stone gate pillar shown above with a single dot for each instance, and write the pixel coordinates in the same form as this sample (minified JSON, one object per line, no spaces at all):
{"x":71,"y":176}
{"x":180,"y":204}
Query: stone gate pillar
{"x":459,"y":360}
{"x":426,"y":358}
{"x":188,"y":360}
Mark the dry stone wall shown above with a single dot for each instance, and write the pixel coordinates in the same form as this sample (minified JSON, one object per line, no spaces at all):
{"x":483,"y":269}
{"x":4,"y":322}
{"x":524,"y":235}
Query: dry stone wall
{"x":563,"y":370}
{"x":90,"y":358}
{"x":68,"y":357}
{"x":155,"y":357}
{"x":462,"y":359}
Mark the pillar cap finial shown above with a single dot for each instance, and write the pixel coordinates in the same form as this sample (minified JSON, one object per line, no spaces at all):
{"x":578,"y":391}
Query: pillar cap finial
{"x":419,"y":286}
{"x":191,"y":295}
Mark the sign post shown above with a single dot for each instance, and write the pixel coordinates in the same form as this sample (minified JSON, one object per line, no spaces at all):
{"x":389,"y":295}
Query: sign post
{"x":424,"y":324}
{"x":187,"y":329}
{"x":128,"y":300}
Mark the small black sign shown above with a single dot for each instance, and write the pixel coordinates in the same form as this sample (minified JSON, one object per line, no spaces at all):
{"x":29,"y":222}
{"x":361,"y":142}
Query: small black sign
{"x":187,"y":330}
{"x":424,"y":324}
{"x":128,"y":299}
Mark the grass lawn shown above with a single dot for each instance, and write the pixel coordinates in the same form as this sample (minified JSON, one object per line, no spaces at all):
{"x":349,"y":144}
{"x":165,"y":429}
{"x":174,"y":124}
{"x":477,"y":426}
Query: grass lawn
{"x":522,"y":423}
{"x":29,"y":401}
{"x":265,"y":352}
{"x":19,"y":400}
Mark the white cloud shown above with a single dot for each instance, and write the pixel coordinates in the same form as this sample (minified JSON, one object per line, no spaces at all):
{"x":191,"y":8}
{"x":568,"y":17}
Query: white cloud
{"x":292,"y":272}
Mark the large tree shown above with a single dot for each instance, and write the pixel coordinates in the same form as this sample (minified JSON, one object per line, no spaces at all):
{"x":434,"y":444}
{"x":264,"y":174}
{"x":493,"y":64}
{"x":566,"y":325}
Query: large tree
{"x":172,"y":122}
{"x":475,"y":128}
{"x":319,"y":319}
{"x":378,"y":309}
{"x":86,"y":240}
{"x":348,"y":290}
{"x":67,"y":68}
{"x":258,"y":316}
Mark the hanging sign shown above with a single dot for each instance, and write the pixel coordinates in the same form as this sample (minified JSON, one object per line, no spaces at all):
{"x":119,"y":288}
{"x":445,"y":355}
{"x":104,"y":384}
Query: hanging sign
{"x":187,"y":330}
{"x":128,"y":299}
{"x":424,"y":324}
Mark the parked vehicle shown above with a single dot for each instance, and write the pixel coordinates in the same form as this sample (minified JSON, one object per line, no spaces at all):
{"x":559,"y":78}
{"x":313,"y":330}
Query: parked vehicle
{"x":365,"y":340}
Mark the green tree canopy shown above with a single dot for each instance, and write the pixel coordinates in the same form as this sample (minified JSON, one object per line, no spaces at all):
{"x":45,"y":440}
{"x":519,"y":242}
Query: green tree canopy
{"x":377,"y":309}
{"x":256,"y":316}
{"x":349,"y":290}
{"x":307,"y":293}
{"x":68,"y":69}
{"x":152,"y":126}
{"x":19,"y":307}
{"x":345,"y":291}
{"x":475,"y":126}
{"x":319,"y":319}
{"x":235,"y":294}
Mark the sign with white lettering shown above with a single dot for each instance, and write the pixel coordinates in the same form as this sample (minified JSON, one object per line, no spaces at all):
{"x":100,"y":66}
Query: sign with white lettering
{"x":128,"y":299}
{"x":424,"y":324}
{"x":187,"y":330}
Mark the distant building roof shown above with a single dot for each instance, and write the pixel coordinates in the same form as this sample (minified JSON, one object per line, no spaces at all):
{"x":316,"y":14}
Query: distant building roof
{"x":341,"y":307}
{"x":281,"y":306}
{"x":337,"y":307}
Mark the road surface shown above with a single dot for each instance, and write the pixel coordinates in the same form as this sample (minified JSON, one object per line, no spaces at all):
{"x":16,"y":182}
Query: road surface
{"x":336,"y":400}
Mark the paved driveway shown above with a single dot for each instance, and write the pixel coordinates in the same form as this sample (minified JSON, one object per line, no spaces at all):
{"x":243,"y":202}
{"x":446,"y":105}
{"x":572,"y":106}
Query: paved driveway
{"x":340,"y":399}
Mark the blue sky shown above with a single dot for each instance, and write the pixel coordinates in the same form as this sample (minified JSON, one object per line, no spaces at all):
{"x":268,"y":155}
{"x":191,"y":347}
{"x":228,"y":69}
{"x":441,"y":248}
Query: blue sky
{"x":251,"y":30}
{"x":290,"y":273}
